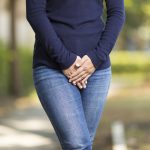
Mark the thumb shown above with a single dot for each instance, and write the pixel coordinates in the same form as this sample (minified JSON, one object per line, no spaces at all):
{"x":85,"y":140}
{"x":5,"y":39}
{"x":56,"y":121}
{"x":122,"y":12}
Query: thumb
{"x":77,"y":64}
{"x":80,"y":62}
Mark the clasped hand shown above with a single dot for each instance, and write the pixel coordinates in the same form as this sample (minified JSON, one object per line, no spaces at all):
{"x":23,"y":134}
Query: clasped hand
{"x":80,"y":71}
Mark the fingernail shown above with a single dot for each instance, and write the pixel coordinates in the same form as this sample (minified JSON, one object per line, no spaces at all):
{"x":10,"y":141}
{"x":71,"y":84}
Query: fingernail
{"x":84,"y":86}
{"x":69,"y":80}
{"x":81,"y":87}
{"x":77,"y":65}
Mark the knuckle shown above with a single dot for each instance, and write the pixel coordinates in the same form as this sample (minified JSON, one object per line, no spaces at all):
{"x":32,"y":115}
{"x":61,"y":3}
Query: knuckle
{"x":80,"y":79}
{"x":85,"y":68}
{"x":83,"y":81}
{"x":87,"y":71}
{"x":81,"y":68}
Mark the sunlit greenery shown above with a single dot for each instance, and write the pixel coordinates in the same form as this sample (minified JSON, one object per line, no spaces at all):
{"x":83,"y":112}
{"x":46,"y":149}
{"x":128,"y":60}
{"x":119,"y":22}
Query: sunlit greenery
{"x":137,"y":13}
{"x":130,"y":61}
{"x":127,"y":64}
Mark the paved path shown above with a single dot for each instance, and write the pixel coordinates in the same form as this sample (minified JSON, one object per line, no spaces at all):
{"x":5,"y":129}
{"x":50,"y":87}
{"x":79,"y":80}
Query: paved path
{"x":27,"y":129}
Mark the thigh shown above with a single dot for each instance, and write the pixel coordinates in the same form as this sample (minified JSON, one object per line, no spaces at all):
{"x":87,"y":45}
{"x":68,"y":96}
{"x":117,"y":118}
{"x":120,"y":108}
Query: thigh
{"x":62,"y":102}
{"x":94,"y":97}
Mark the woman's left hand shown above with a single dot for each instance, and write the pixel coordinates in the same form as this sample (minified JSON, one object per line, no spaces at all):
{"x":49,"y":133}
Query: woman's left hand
{"x":67,"y":72}
{"x":86,"y":68}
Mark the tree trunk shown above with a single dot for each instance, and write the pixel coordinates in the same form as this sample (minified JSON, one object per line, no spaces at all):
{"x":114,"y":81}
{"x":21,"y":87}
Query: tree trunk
{"x":14,"y":78}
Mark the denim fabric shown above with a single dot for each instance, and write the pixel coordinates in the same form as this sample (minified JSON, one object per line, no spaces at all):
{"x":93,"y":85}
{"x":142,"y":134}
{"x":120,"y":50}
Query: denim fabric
{"x":74,"y":113}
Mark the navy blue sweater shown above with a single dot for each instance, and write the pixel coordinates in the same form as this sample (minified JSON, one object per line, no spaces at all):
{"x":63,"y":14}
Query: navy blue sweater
{"x":67,"y":28}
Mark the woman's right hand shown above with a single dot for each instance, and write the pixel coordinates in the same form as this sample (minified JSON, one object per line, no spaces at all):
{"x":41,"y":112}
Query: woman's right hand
{"x":71,"y":69}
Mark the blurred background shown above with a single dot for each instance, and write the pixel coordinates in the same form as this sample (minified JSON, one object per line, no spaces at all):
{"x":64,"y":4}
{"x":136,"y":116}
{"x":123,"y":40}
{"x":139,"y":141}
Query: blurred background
{"x":23,"y":123}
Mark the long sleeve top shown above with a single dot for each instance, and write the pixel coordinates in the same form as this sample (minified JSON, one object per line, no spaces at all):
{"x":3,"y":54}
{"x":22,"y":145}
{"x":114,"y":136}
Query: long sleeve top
{"x":67,"y":28}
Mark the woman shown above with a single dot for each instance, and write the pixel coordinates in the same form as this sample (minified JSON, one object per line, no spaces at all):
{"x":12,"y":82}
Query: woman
{"x":71,"y":64}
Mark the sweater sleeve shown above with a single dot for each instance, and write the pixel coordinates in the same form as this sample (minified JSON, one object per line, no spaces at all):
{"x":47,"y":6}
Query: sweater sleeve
{"x":114,"y":23}
{"x":40,"y":23}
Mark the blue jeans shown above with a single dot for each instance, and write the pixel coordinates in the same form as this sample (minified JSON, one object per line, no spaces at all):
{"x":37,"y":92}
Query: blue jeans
{"x":74,"y":113}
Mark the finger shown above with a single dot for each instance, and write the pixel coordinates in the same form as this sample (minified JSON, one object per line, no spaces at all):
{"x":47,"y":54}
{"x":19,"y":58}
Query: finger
{"x":77,"y":65}
{"x":83,"y":84}
{"x":70,"y":72}
{"x":85,"y":79}
{"x":79,"y":85}
{"x":78,"y":71}
{"x":67,"y":72}
{"x":78,"y":76}
{"x":80,"y":62}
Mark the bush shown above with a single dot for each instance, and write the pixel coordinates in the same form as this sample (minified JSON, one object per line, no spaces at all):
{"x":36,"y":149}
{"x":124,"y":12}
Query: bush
{"x":25,"y":66}
{"x":123,"y":62}
{"x":130,"y":62}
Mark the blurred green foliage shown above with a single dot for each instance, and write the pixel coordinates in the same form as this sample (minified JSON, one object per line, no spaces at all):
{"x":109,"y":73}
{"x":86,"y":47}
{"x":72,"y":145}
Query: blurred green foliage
{"x":123,"y":62}
{"x":4,"y":57}
{"x":137,"y":13}
{"x":130,"y":61}
{"x":25,"y":59}
{"x":136,"y":30}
